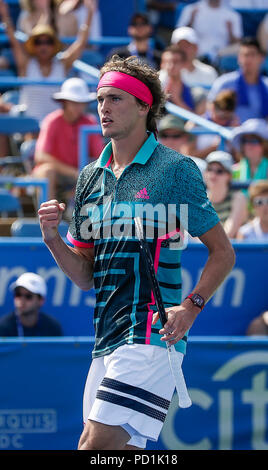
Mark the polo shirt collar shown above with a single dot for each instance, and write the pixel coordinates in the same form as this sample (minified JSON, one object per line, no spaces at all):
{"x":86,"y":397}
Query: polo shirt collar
{"x":141,"y":157}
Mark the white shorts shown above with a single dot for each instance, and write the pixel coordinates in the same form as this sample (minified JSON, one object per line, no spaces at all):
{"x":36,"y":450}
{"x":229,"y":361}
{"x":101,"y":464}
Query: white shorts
{"x":132,"y":387}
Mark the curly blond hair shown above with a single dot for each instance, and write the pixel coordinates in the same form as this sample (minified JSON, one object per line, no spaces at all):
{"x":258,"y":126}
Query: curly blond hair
{"x":136,"y":68}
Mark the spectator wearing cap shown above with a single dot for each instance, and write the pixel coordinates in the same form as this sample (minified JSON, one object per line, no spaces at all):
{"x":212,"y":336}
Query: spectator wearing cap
{"x":216,"y":25}
{"x":172,"y":63}
{"x":173,"y":134}
{"x":257,"y":229}
{"x":250,"y":86}
{"x":230,"y":205}
{"x":250,"y":140}
{"x":37,"y":59}
{"x":195,"y":73}
{"x":29,"y":292}
{"x":140,"y":32}
{"x":56,"y":152}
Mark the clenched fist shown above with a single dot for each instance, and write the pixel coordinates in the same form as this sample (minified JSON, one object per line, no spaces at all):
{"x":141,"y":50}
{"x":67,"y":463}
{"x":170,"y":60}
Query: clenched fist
{"x":50,"y":215}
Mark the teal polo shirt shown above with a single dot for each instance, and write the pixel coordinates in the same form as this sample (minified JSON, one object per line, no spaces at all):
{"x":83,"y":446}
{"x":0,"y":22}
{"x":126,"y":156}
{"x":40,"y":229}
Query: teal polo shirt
{"x":162,"y":187}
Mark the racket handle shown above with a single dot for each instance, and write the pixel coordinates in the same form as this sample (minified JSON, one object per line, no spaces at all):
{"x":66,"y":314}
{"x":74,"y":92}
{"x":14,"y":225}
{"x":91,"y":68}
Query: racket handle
{"x":175,"y":366}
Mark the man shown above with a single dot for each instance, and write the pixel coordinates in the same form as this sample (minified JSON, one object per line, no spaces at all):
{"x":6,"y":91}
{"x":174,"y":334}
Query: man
{"x":172,"y":63}
{"x":140,"y":31}
{"x":194,"y":72}
{"x":29,"y":292}
{"x":174,"y":134}
{"x":250,"y":86}
{"x":56,"y":152}
{"x":130,"y":374}
{"x":217,"y":26}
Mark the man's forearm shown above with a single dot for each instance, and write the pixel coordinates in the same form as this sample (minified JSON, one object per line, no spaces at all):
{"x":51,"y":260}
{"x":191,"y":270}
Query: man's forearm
{"x":77,"y":267}
{"x":216,"y":269}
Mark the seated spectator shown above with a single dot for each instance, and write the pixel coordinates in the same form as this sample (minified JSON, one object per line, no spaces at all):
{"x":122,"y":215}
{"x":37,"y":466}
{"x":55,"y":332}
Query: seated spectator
{"x":222,"y":112}
{"x":259,"y":325}
{"x":35,"y":11}
{"x":249,"y":140}
{"x":27,"y":319}
{"x":257,"y":229}
{"x":140,"y":32}
{"x":251,"y":88}
{"x":173,"y":134}
{"x":37,"y":59}
{"x":172,"y":61}
{"x":216,"y":25}
{"x":230,"y":205}
{"x":194,"y":72}
{"x":56,"y":152}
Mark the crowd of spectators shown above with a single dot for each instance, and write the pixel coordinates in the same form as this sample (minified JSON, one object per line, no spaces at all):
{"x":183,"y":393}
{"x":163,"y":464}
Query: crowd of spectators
{"x":186,"y":49}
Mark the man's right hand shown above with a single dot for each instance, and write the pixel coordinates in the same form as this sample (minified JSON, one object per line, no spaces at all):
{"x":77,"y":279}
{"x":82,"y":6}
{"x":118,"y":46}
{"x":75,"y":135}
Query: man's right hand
{"x":50,"y":215}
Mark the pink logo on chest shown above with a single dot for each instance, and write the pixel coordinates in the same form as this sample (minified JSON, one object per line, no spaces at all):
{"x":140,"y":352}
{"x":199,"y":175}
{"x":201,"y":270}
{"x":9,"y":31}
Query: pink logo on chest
{"x":142,"y":194}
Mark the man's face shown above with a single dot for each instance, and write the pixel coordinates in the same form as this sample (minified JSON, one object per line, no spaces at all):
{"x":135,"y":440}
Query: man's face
{"x":140,"y":29}
{"x":174,"y":62}
{"x":189,"y":49}
{"x":250,"y":59}
{"x":27,"y":306}
{"x":73,"y":110}
{"x":119,"y":112}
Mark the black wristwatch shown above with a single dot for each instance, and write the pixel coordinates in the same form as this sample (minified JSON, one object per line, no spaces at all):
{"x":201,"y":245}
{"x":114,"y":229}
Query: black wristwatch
{"x":197,"y":300}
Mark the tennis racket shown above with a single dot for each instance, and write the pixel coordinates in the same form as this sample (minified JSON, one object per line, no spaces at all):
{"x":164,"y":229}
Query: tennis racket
{"x":174,"y":360}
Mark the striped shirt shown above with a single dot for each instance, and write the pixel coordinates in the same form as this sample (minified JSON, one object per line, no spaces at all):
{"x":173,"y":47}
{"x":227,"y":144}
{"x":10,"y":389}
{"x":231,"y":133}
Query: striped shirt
{"x":155,"y":185}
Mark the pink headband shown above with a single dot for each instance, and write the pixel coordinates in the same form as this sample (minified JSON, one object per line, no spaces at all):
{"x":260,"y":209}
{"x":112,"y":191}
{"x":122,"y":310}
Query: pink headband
{"x":127,"y":83}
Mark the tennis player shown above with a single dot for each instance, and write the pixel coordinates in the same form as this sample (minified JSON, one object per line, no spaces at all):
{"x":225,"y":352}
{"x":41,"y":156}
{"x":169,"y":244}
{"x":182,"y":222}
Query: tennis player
{"x":130,"y":385}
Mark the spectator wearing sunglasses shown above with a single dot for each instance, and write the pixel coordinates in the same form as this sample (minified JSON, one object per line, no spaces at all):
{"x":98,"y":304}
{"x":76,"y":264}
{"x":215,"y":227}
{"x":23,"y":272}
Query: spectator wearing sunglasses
{"x":250,"y":140}
{"x":257,"y":229}
{"x":37,"y":59}
{"x":29,"y":292}
{"x":173,"y":133}
{"x":230,"y":204}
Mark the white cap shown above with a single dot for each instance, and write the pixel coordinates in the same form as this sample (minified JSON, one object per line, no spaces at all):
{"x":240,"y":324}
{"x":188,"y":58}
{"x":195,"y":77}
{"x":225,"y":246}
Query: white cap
{"x":184,"y":33}
{"x":32,"y":282}
{"x":74,"y":89}
{"x":224,"y":158}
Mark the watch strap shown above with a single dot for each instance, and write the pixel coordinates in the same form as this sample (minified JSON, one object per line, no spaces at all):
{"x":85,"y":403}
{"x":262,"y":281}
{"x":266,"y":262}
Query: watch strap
{"x":190,"y":296}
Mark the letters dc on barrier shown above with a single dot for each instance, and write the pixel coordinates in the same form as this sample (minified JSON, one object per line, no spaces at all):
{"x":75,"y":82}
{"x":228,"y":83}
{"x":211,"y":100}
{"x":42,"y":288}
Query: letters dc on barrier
{"x":227,"y":378}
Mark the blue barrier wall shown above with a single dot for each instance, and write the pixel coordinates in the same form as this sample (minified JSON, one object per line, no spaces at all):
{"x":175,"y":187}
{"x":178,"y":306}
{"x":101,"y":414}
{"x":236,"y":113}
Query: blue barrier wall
{"x":42,"y":384}
{"x":240,"y":298}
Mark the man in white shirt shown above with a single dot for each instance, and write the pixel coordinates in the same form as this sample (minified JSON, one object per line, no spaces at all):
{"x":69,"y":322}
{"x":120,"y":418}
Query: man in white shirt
{"x":216,"y":25}
{"x":195,"y":72}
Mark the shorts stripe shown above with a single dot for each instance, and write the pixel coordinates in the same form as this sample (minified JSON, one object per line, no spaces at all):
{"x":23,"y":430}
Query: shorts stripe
{"x":136,"y":391}
{"x":130,"y":403}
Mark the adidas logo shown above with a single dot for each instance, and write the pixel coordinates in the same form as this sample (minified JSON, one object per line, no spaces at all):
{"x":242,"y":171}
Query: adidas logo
{"x":142,"y":194}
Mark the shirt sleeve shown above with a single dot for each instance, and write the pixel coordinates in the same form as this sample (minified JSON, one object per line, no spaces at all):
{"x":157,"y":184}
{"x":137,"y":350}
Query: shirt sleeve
{"x":190,"y":190}
{"x":80,"y":228}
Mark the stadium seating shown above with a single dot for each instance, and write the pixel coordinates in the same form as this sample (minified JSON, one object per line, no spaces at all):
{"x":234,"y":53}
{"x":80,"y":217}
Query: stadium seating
{"x":29,"y":227}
